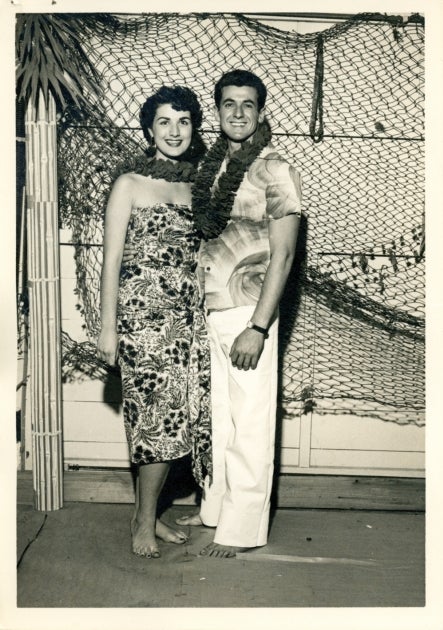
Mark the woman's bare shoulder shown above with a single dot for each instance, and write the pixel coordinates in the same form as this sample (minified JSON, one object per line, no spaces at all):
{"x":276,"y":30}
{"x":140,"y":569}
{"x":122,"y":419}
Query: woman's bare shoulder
{"x":128,"y":179}
{"x":144,"y":190}
{"x":130,"y":183}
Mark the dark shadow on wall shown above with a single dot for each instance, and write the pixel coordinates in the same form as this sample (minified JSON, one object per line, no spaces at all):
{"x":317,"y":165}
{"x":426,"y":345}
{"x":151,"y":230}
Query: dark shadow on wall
{"x":112,"y":390}
{"x":289,"y":309}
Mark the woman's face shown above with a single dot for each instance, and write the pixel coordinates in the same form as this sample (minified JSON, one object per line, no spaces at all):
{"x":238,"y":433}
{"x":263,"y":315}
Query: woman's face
{"x":172,"y":132}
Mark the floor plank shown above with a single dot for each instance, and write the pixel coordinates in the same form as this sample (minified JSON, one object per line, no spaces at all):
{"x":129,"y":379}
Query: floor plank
{"x":82,"y":558}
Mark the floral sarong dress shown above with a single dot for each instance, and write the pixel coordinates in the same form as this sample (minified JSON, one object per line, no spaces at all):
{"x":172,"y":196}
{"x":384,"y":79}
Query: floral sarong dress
{"x":163,"y":346}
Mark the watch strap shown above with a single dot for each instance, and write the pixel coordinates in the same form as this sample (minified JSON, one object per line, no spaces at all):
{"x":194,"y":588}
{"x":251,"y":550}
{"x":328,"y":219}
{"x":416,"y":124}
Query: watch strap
{"x":263,"y":331}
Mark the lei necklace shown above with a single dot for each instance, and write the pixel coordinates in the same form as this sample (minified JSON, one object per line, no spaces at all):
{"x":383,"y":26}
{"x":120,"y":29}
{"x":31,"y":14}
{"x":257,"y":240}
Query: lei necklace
{"x":212,"y":210}
{"x":145,"y":164}
{"x":171,"y":171}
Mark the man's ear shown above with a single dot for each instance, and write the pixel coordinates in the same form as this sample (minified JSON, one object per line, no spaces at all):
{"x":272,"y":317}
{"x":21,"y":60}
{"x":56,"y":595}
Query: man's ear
{"x":216,"y":113}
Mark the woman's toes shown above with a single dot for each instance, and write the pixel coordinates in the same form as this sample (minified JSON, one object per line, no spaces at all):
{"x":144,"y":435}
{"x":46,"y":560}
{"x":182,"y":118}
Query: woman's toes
{"x":179,"y":538}
{"x":150,"y":552}
{"x":182,"y":536}
{"x":168,"y":534}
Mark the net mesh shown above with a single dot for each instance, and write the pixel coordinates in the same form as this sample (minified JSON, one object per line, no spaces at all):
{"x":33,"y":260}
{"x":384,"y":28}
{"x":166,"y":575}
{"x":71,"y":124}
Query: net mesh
{"x":346,"y":108}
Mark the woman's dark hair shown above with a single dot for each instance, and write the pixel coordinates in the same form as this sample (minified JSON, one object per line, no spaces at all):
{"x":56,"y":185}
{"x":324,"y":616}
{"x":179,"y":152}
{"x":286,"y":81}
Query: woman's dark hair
{"x":182,"y":99}
{"x":240,"y":78}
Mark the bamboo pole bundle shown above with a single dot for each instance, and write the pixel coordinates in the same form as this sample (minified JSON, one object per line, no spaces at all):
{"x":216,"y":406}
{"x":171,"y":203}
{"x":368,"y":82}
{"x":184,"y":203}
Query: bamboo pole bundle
{"x":44,"y":305}
{"x":22,"y":326}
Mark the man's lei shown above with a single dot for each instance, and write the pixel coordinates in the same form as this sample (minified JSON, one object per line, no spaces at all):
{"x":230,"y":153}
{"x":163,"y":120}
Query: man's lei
{"x":212,"y":208}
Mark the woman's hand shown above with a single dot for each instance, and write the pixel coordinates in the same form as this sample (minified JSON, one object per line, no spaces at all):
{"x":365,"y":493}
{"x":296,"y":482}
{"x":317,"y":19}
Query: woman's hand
{"x":107,"y":346}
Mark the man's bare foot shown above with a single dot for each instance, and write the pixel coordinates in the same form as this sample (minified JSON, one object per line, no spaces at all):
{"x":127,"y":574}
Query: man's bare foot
{"x":166,"y":533}
{"x":192,"y":519}
{"x":143,"y":540}
{"x":221,"y":551}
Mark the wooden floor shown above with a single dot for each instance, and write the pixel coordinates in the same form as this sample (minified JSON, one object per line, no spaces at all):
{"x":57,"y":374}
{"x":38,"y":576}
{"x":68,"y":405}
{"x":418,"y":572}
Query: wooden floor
{"x":80,"y":557}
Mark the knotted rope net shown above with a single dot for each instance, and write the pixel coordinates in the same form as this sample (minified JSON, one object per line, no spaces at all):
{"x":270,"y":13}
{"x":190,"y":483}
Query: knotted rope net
{"x":346,"y":108}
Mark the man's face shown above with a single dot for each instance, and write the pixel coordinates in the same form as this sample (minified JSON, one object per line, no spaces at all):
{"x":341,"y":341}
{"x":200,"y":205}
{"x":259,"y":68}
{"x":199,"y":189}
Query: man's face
{"x":238,"y":114}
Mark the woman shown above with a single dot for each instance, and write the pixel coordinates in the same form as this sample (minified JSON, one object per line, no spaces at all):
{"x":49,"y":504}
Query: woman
{"x":151,"y":316}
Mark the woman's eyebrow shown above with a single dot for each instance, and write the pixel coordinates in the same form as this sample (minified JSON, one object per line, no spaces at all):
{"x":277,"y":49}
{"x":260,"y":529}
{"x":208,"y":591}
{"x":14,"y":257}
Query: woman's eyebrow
{"x":185,"y":117}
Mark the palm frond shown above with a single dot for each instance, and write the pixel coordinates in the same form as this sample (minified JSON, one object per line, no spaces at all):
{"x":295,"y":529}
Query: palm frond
{"x":51,"y":59}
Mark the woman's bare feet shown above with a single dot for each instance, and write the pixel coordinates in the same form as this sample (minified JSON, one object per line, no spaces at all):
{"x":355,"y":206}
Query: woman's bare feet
{"x":144,"y":541}
{"x":221,"y":551}
{"x":168,"y":534}
{"x":192,"y":519}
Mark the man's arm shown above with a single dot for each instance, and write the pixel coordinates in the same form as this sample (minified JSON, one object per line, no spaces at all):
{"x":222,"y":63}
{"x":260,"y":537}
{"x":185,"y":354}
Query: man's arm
{"x":248,"y":346}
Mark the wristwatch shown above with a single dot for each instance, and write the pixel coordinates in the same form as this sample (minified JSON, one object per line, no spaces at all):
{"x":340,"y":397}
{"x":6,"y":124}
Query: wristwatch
{"x":263,"y":331}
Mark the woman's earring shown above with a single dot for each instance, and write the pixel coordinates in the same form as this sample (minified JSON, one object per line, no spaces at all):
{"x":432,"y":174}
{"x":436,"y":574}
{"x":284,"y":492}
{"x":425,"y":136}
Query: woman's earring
{"x":152,"y":141}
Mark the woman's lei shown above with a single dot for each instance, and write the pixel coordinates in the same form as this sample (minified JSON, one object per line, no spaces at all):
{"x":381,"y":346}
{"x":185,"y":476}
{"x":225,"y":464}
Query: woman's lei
{"x":171,"y":171}
{"x":144,"y":164}
{"x":212,"y":209}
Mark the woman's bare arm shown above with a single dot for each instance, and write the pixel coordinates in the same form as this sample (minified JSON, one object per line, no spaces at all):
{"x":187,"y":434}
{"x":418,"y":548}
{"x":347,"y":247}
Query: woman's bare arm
{"x":117,"y":217}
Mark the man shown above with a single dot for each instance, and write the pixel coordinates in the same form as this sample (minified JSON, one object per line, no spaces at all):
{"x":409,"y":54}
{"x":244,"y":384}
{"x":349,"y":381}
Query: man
{"x":247,"y":204}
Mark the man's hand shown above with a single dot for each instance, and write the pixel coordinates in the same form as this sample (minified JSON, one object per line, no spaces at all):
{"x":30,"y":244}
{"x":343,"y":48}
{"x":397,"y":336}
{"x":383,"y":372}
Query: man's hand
{"x":129,"y":253}
{"x":246,"y":349}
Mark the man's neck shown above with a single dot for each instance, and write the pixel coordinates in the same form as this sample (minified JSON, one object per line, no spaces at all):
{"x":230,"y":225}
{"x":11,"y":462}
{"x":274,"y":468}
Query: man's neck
{"x":233,"y":146}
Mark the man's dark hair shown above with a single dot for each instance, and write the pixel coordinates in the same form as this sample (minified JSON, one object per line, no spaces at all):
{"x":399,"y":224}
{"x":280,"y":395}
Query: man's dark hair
{"x":240,"y":78}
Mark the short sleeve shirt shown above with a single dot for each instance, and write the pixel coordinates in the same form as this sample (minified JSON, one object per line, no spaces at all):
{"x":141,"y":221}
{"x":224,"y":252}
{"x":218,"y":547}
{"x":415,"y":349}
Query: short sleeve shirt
{"x":233,"y":265}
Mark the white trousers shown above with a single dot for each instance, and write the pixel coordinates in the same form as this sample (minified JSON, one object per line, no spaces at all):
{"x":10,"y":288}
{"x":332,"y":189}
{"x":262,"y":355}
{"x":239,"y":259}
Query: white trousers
{"x":243,"y":435}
